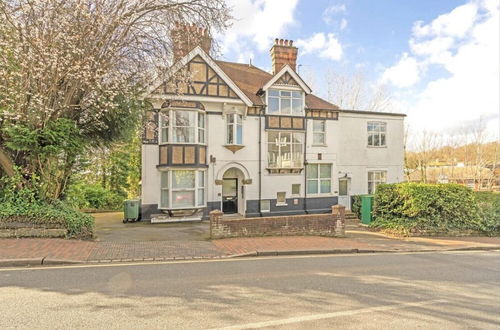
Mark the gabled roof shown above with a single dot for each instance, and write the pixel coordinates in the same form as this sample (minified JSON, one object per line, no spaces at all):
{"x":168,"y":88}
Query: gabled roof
{"x":295,"y":76}
{"x":245,"y":79}
{"x":251,"y":80}
{"x":198,"y":51}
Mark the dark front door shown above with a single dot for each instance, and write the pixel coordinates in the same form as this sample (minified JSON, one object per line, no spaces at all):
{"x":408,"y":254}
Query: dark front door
{"x":230,"y":196}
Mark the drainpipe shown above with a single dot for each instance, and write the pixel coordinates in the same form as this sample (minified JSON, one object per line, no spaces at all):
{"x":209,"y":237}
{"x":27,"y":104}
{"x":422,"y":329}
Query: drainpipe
{"x":305,"y":167}
{"x":260,"y":160}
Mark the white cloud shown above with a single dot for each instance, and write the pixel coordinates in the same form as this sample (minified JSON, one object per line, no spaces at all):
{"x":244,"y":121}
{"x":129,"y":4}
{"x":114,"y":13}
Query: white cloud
{"x":404,"y":74}
{"x":324,"y":45}
{"x":256,"y":23}
{"x":465,"y":45}
{"x":456,"y":23}
{"x":330,"y":12}
{"x":343,"y":24}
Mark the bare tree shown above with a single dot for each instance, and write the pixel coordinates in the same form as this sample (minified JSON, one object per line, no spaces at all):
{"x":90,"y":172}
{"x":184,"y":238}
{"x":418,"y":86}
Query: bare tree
{"x":354,"y":92}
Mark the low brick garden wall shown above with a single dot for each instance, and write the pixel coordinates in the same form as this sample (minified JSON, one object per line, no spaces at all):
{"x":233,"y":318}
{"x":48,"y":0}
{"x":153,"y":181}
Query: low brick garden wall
{"x":20,"y":230}
{"x":332,"y":224}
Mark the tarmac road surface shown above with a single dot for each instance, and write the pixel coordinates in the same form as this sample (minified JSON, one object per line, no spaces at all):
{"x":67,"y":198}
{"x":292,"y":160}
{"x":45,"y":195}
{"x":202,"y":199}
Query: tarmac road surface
{"x":448,"y":290}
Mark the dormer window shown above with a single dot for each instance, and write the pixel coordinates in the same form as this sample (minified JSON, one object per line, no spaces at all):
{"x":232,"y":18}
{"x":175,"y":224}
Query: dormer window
{"x":285,"y":102}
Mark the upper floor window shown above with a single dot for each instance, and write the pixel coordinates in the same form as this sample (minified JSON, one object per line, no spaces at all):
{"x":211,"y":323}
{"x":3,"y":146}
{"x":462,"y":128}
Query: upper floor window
{"x":183,"y":126}
{"x":319,"y":132}
{"x":234,"y":128}
{"x":376,"y":134}
{"x":285,"y":102}
{"x":374,"y":179}
{"x":285,"y":149}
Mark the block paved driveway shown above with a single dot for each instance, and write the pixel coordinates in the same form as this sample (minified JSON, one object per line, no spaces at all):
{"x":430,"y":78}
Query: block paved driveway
{"x":116,"y":240}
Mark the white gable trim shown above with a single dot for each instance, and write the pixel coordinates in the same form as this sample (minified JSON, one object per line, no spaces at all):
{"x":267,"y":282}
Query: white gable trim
{"x":185,"y":60}
{"x":295,"y":76}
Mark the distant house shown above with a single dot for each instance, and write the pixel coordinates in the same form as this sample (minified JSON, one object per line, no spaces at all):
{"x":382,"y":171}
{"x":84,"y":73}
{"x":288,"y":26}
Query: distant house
{"x":245,"y":141}
{"x":470,"y":176}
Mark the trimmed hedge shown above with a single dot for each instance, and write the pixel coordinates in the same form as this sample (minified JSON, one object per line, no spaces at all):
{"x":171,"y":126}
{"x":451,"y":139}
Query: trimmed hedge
{"x":418,"y":207}
{"x":54,"y":214}
{"x":356,"y":205}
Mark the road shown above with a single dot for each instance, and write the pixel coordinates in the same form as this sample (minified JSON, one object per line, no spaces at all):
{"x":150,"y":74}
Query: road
{"x":450,"y":290}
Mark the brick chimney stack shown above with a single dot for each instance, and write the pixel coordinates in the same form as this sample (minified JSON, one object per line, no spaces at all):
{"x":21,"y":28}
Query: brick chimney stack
{"x":186,"y":37}
{"x":283,"y":52}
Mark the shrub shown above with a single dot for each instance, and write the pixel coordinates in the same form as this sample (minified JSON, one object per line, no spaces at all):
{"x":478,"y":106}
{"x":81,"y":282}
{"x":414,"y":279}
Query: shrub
{"x":93,"y":196}
{"x":356,"y":205}
{"x":409,"y":207}
{"x":489,"y":206}
{"x":20,"y":204}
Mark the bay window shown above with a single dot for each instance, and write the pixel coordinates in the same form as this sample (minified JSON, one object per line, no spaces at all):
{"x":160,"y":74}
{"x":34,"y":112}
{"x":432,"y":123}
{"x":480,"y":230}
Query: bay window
{"x":374,"y":179}
{"x":182,"y":126}
{"x":234,"y":128}
{"x":285,"y":149}
{"x":319,"y":132}
{"x":376,"y":134}
{"x":285,"y":102}
{"x":319,"y":178}
{"x":182,"y":189}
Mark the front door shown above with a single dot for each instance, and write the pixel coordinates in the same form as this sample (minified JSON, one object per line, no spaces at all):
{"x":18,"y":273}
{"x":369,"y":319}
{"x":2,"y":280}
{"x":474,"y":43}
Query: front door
{"x":230,"y":196}
{"x":344,"y":197}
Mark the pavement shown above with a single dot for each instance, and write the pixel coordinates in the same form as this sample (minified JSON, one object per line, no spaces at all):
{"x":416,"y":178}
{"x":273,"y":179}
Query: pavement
{"x":435,"y":290}
{"x":119,"y":242}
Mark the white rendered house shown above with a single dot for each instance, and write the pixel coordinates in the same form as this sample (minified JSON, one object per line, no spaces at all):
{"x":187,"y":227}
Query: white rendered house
{"x":242,"y":140}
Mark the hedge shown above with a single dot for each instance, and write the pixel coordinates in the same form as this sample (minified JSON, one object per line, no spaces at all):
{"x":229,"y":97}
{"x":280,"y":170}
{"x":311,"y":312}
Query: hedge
{"x":56,"y":213}
{"x":414,"y":207}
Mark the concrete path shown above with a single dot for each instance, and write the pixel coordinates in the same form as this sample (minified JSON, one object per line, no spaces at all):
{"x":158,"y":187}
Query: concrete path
{"x":116,"y":241}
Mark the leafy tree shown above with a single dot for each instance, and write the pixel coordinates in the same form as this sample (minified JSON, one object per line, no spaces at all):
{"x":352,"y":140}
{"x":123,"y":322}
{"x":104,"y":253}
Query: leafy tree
{"x":73,"y":72}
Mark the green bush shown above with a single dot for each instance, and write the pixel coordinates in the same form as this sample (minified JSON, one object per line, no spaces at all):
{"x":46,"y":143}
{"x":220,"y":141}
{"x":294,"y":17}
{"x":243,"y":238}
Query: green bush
{"x":409,"y":207}
{"x":356,"y":205}
{"x":489,"y":206}
{"x":94,"y":197}
{"x":20,"y":204}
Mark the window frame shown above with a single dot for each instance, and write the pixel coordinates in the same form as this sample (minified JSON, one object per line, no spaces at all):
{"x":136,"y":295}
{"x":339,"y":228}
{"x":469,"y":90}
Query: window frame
{"x":375,"y":183}
{"x":318,"y":179}
{"x":284,"y":144}
{"x":281,"y":97}
{"x":234,"y":128}
{"x":322,"y":133}
{"x":198,"y":186}
{"x":378,"y":132}
{"x":169,"y":128}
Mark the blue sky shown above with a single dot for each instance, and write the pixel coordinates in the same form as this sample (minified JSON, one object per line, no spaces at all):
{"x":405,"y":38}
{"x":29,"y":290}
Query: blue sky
{"x":438,"y":58}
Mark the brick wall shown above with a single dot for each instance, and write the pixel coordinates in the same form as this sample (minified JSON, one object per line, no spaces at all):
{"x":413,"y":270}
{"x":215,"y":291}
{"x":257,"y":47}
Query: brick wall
{"x":332,"y":224}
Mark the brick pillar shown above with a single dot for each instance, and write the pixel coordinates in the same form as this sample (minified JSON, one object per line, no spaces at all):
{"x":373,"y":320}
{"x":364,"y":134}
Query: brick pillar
{"x":338,"y":212}
{"x":215,"y":217}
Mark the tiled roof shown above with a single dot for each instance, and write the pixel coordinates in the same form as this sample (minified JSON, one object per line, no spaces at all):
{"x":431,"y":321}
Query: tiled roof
{"x":251,"y":79}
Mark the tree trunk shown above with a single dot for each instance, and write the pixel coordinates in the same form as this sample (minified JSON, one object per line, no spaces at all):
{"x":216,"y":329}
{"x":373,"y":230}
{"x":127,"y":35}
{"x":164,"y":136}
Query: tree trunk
{"x":6,"y":164}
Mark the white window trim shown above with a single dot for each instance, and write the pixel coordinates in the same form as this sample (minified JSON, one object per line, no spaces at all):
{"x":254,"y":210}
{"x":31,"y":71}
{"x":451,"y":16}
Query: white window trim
{"x":379,"y":134}
{"x":316,"y":132}
{"x":279,"y":148}
{"x":318,"y":181}
{"x":286,"y":89}
{"x":368,"y":177}
{"x":197,"y":186}
{"x":234,"y":128}
{"x":170,"y":126}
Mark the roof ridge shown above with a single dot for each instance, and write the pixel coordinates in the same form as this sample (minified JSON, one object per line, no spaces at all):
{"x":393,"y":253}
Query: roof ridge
{"x":244,"y":64}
